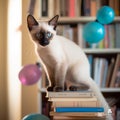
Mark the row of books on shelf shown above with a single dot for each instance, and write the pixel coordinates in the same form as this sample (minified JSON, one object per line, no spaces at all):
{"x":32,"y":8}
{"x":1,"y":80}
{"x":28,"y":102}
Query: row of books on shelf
{"x":105,"y":71}
{"x":69,"y":105}
{"x":76,"y":8}
{"x":74,"y":33}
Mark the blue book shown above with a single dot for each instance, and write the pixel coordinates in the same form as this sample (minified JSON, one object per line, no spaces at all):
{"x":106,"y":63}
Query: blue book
{"x":79,"y":109}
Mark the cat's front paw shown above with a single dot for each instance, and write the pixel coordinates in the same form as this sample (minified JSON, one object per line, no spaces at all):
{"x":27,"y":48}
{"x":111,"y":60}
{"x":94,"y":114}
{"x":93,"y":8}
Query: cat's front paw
{"x":58,"y":89}
{"x":50,"y":89}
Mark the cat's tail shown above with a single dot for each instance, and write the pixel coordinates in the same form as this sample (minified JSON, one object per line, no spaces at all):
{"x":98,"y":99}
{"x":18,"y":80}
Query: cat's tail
{"x":103,"y":102}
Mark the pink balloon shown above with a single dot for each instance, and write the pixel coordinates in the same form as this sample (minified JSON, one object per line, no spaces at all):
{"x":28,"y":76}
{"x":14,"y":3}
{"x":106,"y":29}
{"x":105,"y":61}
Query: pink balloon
{"x":29,"y":74}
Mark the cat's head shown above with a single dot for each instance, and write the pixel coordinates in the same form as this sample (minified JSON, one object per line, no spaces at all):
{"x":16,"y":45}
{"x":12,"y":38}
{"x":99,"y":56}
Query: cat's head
{"x":42,"y":32}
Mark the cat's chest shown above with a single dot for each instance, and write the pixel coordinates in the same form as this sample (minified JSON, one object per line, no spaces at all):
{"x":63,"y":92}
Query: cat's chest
{"x":51,"y":57}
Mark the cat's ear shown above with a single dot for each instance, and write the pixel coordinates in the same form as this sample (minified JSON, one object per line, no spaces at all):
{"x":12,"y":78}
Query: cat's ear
{"x":31,"y":21}
{"x":54,"y":21}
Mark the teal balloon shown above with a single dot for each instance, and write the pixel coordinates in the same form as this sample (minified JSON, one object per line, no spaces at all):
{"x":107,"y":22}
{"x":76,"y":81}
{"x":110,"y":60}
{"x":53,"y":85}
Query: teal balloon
{"x":35,"y":117}
{"x":93,"y":32}
{"x":105,"y":15}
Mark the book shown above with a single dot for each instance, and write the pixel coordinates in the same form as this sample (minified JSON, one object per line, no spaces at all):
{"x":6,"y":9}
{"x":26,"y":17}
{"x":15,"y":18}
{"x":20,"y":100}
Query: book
{"x":81,"y":103}
{"x":71,"y":94}
{"x":109,"y":73}
{"x":71,"y":5}
{"x":79,"y":109}
{"x":105,"y":71}
{"x":78,"y":8}
{"x":44,"y":6}
{"x":81,"y":42}
{"x":77,"y":114}
{"x":78,"y":118}
{"x":117,"y":65}
{"x":73,"y":99}
{"x":117,"y":35}
{"x":93,"y":7}
{"x":86,"y":8}
{"x":57,"y":7}
{"x":117,"y":7}
{"x":111,"y":34}
{"x":51,"y":8}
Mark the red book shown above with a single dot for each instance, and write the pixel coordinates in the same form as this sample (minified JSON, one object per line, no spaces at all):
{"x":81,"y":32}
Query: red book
{"x":71,"y":8}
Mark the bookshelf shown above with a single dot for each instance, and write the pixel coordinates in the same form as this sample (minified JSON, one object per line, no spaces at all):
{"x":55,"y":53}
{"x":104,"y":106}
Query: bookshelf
{"x":52,"y":8}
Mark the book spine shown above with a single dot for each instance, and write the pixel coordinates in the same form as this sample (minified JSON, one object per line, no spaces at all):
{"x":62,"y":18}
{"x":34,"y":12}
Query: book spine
{"x":117,"y":35}
{"x":71,"y":8}
{"x":93,"y":7}
{"x":76,"y":104}
{"x":44,"y":8}
{"x":79,"y":109}
{"x":73,"y":99}
{"x":51,"y":8}
{"x":70,"y":94}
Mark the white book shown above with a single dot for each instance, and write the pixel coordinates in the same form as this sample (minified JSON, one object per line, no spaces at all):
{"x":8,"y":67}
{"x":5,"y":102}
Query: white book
{"x":73,"y":99}
{"x":71,"y":94}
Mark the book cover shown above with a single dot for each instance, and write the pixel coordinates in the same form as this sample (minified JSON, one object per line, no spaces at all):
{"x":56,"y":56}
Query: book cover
{"x":79,"y":109}
{"x":71,"y":94}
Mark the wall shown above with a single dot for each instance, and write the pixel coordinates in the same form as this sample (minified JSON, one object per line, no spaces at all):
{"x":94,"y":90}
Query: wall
{"x":3,"y":71}
{"x":16,"y":50}
{"x":29,"y":94}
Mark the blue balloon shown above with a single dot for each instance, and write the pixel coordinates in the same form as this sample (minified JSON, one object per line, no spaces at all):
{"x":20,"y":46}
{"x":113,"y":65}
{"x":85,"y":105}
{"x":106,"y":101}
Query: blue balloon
{"x":93,"y":32}
{"x":35,"y":117}
{"x":105,"y":15}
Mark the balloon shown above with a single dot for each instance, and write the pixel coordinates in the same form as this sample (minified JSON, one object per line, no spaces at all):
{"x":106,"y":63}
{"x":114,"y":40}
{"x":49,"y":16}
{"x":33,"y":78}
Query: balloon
{"x":105,"y":15}
{"x":35,"y":117}
{"x":93,"y":32}
{"x":29,"y":74}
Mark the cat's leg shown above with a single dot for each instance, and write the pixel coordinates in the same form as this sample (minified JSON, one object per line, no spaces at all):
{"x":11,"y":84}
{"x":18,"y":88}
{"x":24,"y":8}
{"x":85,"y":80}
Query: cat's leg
{"x":60,"y":73}
{"x":51,"y":80}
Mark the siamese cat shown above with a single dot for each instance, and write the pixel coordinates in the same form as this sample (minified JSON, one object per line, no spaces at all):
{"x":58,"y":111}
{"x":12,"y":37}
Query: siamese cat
{"x":62,"y":60}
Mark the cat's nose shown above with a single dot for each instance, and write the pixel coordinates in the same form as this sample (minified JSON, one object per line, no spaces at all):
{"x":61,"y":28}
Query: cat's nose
{"x":44,"y":42}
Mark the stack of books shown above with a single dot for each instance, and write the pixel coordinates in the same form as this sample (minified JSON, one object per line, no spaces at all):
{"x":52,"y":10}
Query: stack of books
{"x":75,"y":105}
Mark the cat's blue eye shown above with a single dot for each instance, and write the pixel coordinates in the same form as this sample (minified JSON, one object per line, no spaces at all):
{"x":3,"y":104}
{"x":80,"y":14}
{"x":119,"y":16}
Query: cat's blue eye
{"x":49,"y":34}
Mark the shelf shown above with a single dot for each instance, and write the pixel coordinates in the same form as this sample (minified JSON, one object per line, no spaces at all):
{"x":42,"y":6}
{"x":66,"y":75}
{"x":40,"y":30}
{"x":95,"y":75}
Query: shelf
{"x":101,"y":51}
{"x":82,"y":19}
{"x":110,"y":90}
{"x":43,"y":90}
